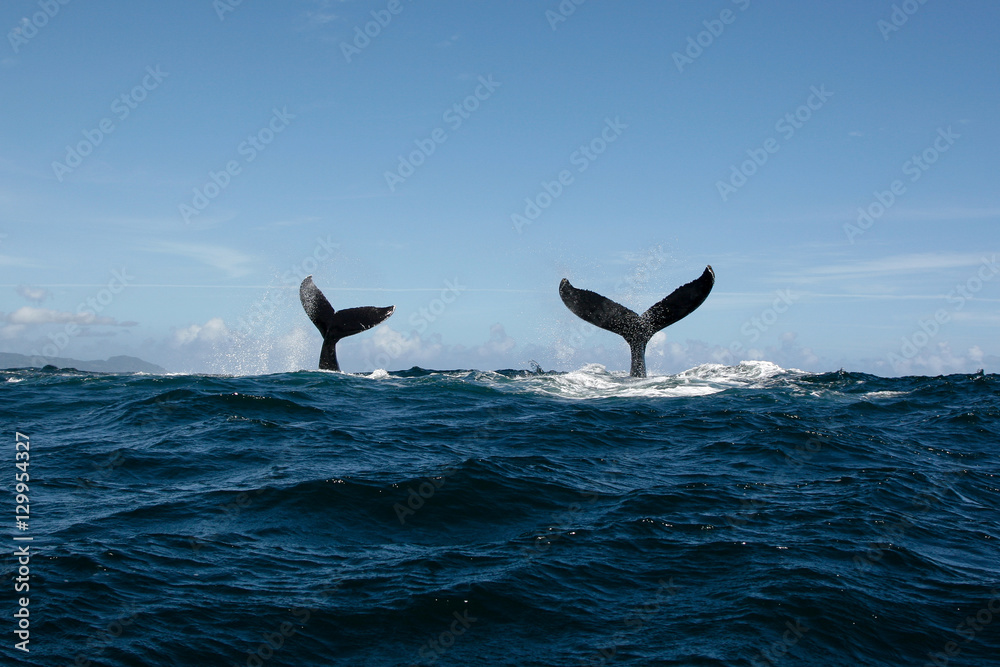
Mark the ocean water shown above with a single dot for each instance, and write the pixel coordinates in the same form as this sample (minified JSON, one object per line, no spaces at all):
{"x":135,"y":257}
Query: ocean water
{"x":727,"y":515}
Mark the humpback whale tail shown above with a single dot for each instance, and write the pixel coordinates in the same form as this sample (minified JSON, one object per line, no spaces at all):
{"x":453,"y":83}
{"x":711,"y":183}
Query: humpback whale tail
{"x":334,"y":325}
{"x":634,"y":328}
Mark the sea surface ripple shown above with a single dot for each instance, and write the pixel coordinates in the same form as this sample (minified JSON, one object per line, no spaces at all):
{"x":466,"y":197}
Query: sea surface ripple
{"x":727,"y":515}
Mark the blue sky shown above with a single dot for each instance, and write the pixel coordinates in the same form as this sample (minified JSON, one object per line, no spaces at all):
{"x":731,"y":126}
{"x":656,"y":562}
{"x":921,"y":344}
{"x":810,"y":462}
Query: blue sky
{"x":170,"y":171}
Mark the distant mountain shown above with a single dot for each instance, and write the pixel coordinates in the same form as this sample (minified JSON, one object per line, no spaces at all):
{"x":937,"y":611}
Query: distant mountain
{"x":120,"y":364}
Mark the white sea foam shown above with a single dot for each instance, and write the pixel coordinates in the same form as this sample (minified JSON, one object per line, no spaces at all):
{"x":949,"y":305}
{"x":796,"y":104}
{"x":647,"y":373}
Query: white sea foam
{"x":885,"y":394}
{"x":744,"y":373}
{"x":595,"y":381}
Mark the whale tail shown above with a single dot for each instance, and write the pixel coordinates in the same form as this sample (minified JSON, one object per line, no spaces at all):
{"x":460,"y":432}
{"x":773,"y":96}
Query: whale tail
{"x":634,"y":328}
{"x":336,"y":324}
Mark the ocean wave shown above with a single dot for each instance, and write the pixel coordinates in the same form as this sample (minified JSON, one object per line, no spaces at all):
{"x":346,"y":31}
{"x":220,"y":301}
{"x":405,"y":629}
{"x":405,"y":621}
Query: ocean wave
{"x":690,"y":518}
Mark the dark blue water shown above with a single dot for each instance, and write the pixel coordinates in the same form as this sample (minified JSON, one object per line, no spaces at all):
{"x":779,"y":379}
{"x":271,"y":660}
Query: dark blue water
{"x":725,"y":516}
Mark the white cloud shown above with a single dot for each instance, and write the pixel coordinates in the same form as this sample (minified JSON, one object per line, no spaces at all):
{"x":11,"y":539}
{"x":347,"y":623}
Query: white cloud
{"x":12,"y":331}
{"x":27,"y":315}
{"x":320,"y":17}
{"x":37,"y":294}
{"x":22,"y":262}
{"x":391,"y":349}
{"x":898,"y":264}
{"x":212,"y":332}
{"x":934,"y":359}
{"x":984,"y":318}
{"x":498,"y":344}
{"x":388,"y":340}
{"x":321,"y":14}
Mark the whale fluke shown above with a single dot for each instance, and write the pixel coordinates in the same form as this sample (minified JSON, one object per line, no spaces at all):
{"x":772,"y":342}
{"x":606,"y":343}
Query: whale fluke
{"x":336,"y":324}
{"x":634,"y":328}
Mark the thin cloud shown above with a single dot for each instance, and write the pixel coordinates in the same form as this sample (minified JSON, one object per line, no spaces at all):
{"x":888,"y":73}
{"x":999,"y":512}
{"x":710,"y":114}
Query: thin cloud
{"x":212,"y":332}
{"x":953,"y":214}
{"x":935,"y":359}
{"x":321,"y":14}
{"x":22,"y":262}
{"x":232,"y":262}
{"x":29,"y":316}
{"x":896,"y":265}
{"x":36,"y":294}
